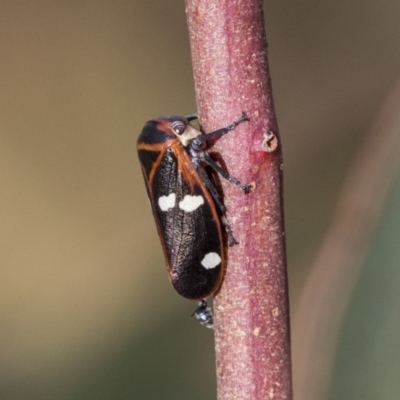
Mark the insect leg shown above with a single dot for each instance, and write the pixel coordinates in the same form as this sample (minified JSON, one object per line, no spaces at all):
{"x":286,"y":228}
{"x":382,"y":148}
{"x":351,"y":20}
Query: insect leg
{"x":191,"y":117}
{"x":208,"y":160}
{"x":204,"y":315}
{"x":211,"y":188}
{"x":221,"y":208}
{"x":219,"y":132}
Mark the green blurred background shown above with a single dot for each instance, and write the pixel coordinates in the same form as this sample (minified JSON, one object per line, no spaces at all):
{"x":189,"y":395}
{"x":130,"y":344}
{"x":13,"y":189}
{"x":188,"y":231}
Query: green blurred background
{"x":87,"y":311}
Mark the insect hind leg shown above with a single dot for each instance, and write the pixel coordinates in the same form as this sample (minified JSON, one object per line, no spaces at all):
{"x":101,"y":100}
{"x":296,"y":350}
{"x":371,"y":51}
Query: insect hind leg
{"x":220,"y":207}
{"x":204,"y":314}
{"x":231,"y":240}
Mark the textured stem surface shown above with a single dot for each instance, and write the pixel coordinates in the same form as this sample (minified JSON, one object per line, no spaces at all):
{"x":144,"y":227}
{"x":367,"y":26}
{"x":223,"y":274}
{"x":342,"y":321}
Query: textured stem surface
{"x":229,"y":53}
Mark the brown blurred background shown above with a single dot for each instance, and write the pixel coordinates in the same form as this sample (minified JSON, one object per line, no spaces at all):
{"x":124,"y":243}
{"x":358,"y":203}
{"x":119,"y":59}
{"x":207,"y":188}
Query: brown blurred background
{"x":86,"y":308}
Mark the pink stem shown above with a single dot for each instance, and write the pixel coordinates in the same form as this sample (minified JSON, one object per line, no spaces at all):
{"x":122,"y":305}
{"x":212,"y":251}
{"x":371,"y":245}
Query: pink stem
{"x":252,"y":334}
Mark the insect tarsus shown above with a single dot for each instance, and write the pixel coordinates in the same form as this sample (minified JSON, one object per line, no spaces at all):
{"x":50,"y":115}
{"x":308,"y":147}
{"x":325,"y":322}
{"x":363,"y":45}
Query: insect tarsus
{"x":204,"y":314}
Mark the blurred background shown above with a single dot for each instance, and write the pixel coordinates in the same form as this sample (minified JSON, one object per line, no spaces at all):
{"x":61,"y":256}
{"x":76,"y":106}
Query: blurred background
{"x":86,"y":308}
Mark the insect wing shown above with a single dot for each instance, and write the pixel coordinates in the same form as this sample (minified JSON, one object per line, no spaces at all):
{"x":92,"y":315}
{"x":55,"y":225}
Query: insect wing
{"x":187,"y":221}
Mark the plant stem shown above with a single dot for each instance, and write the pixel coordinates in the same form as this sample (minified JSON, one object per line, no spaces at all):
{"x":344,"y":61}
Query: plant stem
{"x":252,"y":334}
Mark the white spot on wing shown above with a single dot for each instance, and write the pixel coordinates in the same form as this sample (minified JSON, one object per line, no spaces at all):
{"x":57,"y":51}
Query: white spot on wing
{"x":211,"y":260}
{"x":167,"y":202}
{"x":191,"y":203}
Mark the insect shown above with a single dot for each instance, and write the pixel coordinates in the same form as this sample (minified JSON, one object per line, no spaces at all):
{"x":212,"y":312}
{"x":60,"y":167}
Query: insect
{"x":187,"y":207}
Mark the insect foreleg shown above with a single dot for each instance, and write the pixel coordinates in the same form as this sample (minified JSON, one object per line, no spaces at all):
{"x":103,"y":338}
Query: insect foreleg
{"x":219,"y":132}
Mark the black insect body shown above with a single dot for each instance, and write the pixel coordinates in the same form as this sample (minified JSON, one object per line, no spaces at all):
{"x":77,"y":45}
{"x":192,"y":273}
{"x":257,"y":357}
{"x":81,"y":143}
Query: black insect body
{"x":187,"y":208}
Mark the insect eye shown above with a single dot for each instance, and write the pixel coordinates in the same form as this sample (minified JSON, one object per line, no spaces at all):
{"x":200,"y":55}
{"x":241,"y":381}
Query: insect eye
{"x":178,"y":127}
